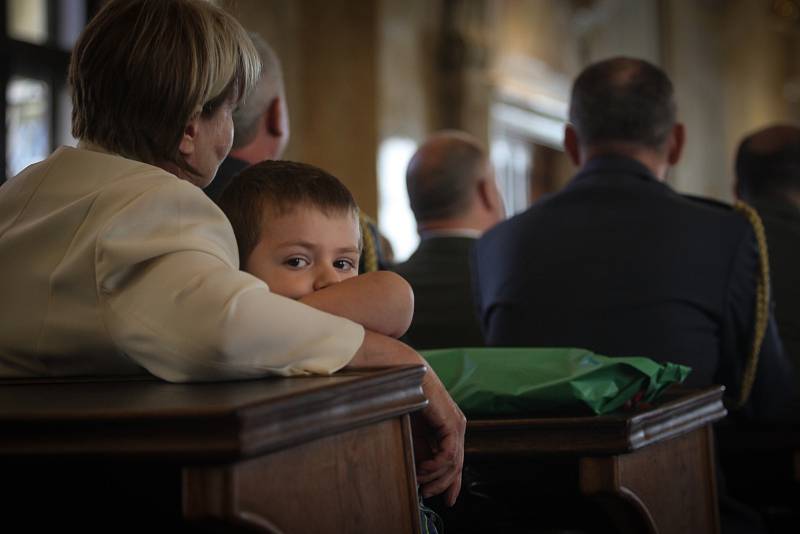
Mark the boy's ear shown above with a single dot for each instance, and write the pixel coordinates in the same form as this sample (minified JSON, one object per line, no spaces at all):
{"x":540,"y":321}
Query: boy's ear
{"x":188,"y":140}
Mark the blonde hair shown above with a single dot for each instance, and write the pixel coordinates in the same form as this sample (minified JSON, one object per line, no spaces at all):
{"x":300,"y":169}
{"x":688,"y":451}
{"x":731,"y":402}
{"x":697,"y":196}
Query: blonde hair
{"x":143,"y":68}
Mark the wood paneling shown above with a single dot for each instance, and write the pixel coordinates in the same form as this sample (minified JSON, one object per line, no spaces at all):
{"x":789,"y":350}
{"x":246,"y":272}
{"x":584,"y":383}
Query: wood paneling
{"x":310,"y":454}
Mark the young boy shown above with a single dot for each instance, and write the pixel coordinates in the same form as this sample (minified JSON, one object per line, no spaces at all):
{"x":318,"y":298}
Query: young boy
{"x":297,"y":229}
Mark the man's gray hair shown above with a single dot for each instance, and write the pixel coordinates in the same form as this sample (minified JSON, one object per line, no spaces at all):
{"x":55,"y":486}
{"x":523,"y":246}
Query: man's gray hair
{"x":269,"y":86}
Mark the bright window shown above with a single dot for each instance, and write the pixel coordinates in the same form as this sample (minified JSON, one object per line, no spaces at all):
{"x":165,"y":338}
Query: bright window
{"x":395,"y":218}
{"x":27,"y":123}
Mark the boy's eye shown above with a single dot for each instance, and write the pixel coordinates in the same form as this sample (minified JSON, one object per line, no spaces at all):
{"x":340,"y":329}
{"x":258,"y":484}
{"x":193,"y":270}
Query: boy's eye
{"x":297,"y":263}
{"x":344,"y":264}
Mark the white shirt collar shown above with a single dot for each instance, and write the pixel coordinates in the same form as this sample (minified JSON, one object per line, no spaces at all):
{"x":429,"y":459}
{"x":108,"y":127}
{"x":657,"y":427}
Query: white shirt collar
{"x":451,"y":232}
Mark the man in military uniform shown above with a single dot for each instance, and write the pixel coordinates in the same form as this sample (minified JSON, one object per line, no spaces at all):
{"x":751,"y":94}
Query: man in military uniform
{"x":768,"y":178}
{"x":621,"y":264}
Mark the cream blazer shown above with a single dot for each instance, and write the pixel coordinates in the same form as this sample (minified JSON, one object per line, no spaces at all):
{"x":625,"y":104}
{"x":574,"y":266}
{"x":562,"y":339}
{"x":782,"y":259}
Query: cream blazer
{"x":113,"y":266}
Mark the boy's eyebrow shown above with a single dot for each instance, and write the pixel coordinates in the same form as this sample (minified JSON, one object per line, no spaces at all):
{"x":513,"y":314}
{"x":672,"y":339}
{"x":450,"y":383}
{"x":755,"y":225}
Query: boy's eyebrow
{"x":310,"y":245}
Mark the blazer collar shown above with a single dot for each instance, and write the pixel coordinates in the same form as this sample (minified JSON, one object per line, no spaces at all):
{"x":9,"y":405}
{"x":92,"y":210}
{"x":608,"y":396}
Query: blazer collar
{"x":613,"y":164}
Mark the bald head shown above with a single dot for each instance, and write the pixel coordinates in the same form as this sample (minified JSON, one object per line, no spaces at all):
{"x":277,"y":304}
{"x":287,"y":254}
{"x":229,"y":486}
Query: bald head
{"x":768,"y":163}
{"x":622,"y":100}
{"x":443,"y":174}
{"x":247,"y":117}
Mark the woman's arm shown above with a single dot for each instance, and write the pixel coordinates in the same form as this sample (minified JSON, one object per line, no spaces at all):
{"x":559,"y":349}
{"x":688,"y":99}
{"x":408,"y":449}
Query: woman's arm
{"x":173,"y":301}
{"x":381,"y":301}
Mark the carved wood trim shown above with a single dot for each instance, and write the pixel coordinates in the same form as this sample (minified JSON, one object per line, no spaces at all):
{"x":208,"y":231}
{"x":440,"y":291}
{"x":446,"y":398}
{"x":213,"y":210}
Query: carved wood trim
{"x":681,"y":412}
{"x":198,"y":422}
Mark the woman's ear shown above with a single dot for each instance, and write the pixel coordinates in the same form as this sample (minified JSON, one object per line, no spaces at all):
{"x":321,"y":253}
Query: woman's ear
{"x":188,"y":140}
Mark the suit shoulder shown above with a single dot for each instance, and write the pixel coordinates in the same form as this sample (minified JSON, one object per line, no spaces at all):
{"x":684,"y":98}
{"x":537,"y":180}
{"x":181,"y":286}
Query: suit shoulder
{"x":717,"y":210}
{"x":708,"y":202}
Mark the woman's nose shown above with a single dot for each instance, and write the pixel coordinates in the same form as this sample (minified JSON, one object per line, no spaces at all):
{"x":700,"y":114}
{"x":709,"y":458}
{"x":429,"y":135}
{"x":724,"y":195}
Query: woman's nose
{"x":325,"y":276}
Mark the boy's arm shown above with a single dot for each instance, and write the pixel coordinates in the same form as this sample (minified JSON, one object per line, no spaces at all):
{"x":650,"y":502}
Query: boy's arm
{"x":444,"y":421}
{"x":381,"y":301}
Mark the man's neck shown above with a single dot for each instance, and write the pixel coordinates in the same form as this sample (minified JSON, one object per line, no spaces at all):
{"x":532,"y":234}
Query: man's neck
{"x":259,"y":149}
{"x":653,"y":159}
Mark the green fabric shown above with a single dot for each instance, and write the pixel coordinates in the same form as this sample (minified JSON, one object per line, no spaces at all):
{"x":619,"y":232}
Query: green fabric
{"x":492,"y":381}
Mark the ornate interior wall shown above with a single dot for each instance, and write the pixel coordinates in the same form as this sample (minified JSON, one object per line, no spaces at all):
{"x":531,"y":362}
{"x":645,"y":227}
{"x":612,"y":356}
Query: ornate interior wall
{"x":362,"y":71}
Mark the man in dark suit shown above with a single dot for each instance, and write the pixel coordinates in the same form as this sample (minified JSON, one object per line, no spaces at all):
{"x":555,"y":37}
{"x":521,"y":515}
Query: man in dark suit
{"x":621,"y":264}
{"x":454,"y":197}
{"x":768,"y":178}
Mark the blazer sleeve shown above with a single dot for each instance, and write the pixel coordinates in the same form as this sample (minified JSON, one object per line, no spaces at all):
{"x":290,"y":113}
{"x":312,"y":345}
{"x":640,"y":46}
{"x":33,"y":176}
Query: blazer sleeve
{"x":174,"y":300}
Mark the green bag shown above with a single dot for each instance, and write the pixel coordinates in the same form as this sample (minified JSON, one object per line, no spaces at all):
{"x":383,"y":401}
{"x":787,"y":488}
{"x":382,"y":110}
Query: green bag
{"x":492,"y":382}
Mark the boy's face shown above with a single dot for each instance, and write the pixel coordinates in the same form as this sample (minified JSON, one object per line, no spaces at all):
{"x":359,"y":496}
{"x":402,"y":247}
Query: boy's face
{"x":305,"y":250}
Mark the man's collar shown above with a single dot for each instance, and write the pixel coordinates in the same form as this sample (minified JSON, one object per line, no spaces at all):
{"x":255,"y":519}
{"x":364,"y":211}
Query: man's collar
{"x":610,"y":163}
{"x":450,"y":232}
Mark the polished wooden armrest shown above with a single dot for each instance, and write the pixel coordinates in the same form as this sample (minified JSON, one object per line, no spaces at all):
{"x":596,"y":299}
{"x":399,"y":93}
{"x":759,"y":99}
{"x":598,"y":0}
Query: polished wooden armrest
{"x":681,"y":410}
{"x":302,"y":454}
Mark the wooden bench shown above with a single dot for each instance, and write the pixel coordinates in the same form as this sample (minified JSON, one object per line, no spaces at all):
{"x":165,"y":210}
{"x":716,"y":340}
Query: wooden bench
{"x":646,"y":471}
{"x":310,"y":454}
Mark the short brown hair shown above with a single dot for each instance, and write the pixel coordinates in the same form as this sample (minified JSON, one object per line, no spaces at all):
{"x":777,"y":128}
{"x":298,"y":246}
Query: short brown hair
{"x":278,"y":187}
{"x":143,"y":68}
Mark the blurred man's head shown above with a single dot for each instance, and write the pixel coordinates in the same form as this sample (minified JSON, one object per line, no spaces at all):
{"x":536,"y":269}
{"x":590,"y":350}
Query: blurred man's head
{"x":623,"y":105}
{"x":768,"y":164}
{"x":261,"y":124}
{"x":451,"y":184}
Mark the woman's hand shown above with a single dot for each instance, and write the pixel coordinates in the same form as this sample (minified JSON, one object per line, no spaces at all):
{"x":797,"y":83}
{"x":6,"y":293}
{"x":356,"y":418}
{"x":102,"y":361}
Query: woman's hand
{"x":444,"y":434}
{"x":443,"y":424}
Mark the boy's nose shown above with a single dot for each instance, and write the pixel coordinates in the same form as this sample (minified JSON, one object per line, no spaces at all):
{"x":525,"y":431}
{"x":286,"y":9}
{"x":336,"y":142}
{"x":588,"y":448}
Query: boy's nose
{"x":325,"y":276}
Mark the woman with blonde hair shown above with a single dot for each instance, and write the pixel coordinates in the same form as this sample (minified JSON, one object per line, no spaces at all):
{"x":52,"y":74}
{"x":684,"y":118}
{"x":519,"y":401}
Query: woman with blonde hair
{"x":116,"y":263}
